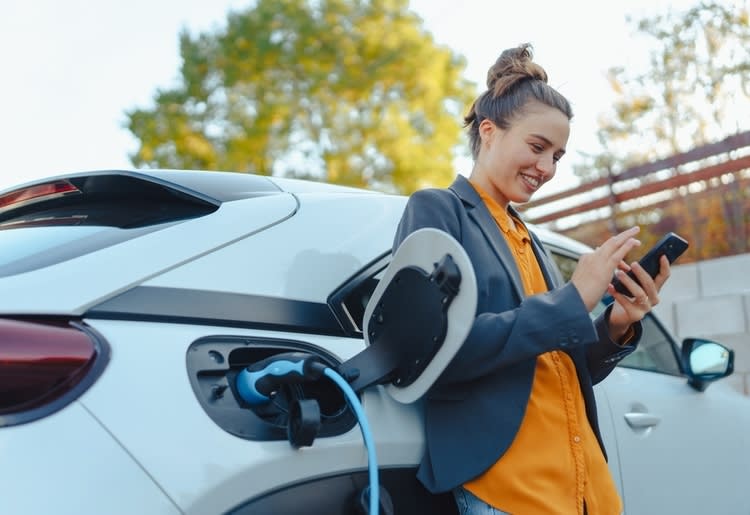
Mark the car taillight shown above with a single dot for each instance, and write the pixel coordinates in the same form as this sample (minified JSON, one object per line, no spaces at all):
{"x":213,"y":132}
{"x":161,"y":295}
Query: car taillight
{"x":45,"y":365}
{"x":25,"y":195}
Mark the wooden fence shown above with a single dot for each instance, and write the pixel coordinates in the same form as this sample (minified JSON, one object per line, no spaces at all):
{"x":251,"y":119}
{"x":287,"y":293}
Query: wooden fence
{"x":703,"y":194}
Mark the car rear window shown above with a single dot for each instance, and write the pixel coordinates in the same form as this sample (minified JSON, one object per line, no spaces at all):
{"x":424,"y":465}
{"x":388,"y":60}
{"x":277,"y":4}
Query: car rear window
{"x":47,"y":223}
{"x":30,"y":248}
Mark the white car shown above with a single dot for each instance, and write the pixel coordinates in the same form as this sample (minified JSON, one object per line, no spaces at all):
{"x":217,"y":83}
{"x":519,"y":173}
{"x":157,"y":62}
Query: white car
{"x":131,"y":302}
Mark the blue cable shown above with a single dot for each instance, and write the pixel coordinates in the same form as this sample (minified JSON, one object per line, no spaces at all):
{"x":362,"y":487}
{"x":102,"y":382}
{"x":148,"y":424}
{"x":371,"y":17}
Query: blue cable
{"x":372,"y":461}
{"x":257,"y":386}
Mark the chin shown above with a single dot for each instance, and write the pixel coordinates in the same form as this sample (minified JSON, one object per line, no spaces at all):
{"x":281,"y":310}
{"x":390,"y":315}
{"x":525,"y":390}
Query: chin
{"x":522,"y":199}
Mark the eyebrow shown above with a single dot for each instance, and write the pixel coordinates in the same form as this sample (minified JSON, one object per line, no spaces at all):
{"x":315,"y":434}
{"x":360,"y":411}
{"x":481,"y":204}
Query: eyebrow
{"x":548,"y":142}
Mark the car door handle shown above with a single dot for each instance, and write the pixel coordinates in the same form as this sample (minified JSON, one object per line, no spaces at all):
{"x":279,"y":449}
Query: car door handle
{"x":640,"y":420}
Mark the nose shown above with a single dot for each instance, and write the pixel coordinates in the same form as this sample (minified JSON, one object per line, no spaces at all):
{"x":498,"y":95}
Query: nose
{"x":546,"y":164}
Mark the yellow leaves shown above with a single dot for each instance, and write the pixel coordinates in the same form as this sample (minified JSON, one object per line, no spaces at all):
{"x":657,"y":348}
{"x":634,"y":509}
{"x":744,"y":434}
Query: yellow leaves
{"x":146,"y":153}
{"x":241,"y":42}
{"x":357,"y":85}
{"x":197,"y":146}
{"x":641,"y":104}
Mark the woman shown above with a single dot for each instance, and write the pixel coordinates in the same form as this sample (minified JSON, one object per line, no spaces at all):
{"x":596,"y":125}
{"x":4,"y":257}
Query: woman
{"x":511,"y":424}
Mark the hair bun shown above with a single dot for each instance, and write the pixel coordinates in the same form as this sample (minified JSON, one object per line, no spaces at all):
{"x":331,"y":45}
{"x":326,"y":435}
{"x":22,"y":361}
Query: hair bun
{"x":513,"y":65}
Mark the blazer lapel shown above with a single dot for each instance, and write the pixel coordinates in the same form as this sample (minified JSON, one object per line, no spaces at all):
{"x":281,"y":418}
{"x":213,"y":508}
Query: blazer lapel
{"x":479,"y":213}
{"x":550,"y":273}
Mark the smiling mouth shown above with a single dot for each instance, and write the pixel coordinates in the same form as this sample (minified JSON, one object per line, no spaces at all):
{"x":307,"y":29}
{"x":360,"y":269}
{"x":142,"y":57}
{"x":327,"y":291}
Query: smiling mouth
{"x":533,"y":182}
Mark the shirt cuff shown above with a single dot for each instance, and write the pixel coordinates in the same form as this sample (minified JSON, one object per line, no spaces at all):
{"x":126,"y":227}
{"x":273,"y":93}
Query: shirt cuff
{"x":626,"y":338}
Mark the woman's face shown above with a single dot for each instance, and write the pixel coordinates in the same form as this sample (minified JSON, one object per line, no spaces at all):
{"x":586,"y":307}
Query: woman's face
{"x":514,"y":163}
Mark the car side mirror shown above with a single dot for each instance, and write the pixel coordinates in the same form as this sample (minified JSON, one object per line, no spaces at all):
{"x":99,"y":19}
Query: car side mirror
{"x":705,"y":361}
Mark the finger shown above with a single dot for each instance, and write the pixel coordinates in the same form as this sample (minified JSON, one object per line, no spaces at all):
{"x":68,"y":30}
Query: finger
{"x":645,"y":280}
{"x":616,"y":248}
{"x":618,"y":240}
{"x":635,"y":307}
{"x":619,"y":253}
{"x":627,"y":233}
{"x":631,"y":284}
{"x":664,"y":272}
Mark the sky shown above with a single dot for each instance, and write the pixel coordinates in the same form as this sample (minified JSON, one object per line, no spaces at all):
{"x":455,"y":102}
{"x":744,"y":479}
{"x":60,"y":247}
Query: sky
{"x":71,"y":69}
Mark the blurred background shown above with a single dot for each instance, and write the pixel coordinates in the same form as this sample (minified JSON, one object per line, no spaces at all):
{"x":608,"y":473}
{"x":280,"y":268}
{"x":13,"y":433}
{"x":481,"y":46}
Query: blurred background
{"x":372,"y":94}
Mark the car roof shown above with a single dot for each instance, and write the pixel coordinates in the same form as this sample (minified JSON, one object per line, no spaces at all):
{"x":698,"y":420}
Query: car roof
{"x":217,"y":186}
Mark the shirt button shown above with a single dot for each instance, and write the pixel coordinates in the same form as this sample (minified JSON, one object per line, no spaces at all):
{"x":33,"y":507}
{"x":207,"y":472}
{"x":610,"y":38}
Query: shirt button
{"x":576,"y":439}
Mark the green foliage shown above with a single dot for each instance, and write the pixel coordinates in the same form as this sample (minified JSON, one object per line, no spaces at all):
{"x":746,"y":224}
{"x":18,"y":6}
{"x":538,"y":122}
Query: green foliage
{"x":695,"y":89}
{"x":348,"y":91}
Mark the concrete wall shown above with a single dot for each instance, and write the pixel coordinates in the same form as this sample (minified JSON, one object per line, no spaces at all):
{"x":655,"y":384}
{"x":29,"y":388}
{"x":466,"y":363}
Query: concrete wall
{"x":711,"y":299}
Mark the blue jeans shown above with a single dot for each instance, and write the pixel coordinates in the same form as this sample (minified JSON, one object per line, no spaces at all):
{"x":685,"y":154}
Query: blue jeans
{"x":470,"y":504}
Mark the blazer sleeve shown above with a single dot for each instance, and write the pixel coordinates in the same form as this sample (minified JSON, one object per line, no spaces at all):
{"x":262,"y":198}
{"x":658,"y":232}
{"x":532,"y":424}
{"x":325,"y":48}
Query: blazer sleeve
{"x":603,"y":356}
{"x":556,"y":320}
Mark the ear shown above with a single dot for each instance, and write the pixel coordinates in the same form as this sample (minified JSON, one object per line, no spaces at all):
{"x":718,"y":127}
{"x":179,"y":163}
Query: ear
{"x":486,"y":130}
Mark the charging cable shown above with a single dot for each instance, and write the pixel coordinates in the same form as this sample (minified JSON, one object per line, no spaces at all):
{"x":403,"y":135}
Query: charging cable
{"x":259,"y":382}
{"x":372,"y":461}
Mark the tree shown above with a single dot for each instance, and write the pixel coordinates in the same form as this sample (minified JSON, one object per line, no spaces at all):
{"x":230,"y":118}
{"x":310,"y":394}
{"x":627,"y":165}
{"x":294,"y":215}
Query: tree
{"x":347,"y":91}
{"x":695,"y":90}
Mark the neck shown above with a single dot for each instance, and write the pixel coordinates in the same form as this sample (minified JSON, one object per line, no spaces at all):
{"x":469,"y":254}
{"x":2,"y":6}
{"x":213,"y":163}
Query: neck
{"x":483,"y":182}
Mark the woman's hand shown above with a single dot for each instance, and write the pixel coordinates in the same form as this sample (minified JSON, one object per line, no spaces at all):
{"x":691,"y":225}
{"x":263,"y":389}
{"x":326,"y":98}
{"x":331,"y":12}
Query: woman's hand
{"x":593,"y":274}
{"x":628,"y":310}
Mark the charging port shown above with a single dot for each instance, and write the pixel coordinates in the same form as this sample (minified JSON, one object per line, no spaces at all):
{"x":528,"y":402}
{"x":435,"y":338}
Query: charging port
{"x":213,"y":365}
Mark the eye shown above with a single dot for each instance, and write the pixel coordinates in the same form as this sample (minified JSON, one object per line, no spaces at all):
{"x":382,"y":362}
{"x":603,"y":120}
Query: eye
{"x":536,"y":147}
{"x":556,"y":158}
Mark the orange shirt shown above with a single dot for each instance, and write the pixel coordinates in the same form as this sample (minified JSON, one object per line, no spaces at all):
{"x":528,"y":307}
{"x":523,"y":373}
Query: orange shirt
{"x":555,"y":461}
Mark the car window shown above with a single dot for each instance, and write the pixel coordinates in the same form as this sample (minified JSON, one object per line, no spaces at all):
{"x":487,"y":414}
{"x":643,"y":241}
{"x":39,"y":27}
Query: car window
{"x":50,"y":222}
{"x":656,"y":351}
{"x":31,"y":246}
{"x":349,"y":300}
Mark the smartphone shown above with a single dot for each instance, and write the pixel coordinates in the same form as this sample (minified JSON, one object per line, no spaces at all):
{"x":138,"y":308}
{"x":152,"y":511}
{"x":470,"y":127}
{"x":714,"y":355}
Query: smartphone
{"x":671,"y":245}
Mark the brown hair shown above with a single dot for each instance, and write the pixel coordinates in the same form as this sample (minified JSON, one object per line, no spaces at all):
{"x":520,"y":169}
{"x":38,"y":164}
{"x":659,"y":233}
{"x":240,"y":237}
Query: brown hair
{"x":512,"y":82}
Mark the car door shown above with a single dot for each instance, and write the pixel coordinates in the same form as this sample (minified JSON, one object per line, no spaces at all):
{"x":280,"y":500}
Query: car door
{"x":678,"y":450}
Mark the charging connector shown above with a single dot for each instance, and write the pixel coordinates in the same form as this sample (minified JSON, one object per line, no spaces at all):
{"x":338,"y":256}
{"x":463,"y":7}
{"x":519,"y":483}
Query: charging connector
{"x":258,"y":383}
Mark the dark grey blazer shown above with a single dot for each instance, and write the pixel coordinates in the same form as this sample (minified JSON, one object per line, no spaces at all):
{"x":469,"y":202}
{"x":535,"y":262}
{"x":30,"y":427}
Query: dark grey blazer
{"x":473,"y":411}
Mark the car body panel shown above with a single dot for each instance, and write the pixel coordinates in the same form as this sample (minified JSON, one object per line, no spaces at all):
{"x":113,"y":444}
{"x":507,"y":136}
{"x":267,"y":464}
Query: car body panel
{"x":688,"y":444}
{"x":149,"y":255}
{"x":203,"y":468}
{"x":270,"y":264}
{"x":606,"y":429}
{"x":68,"y":463}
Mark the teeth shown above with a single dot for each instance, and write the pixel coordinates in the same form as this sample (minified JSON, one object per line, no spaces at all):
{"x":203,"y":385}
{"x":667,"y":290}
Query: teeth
{"x":533,"y":180}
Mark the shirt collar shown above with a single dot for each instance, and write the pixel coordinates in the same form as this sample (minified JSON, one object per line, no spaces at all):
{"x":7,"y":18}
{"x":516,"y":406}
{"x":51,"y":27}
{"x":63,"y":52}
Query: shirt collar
{"x":500,"y":214}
